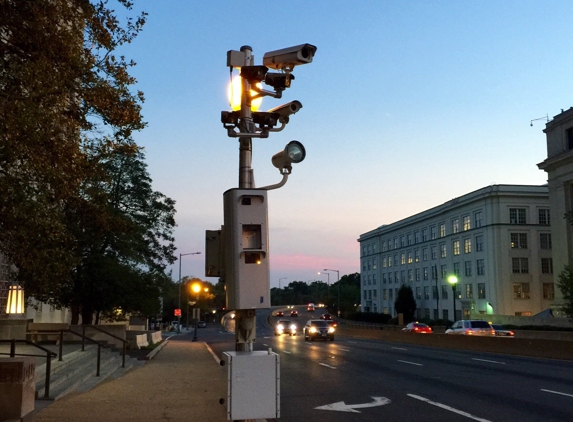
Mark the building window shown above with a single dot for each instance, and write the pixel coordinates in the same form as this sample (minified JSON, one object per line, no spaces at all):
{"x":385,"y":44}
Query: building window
{"x":384,"y":294}
{"x":417,"y":274}
{"x":390,"y":294}
{"x":466,"y":222}
{"x":468,"y":268}
{"x":548,"y":291}
{"x":521,"y":291}
{"x":425,"y":254}
{"x":409,"y":239}
{"x":481,"y":290}
{"x":442,"y":230}
{"x":443,"y":271}
{"x":426,"y":292}
{"x":403,"y":258}
{"x":467,"y":245}
{"x":426,"y":273}
{"x":424,"y":235}
{"x":373,"y":278}
{"x":455,"y":225}
{"x":410,"y":257}
{"x":444,"y":291}
{"x":434,"y":252}
{"x":384,"y":246}
{"x":479,"y":243}
{"x":389,"y":260}
{"x":517,"y":215}
{"x":418,"y":293}
{"x":384,"y":278}
{"x":396,"y":260}
{"x":417,"y":255}
{"x":369,"y":280}
{"x":433,"y":232}
{"x":478,"y":219}
{"x":374,"y":264}
{"x":403,"y":276}
{"x":544,"y":217}
{"x":443,"y":250}
{"x":469,"y":291}
{"x":375,"y":293}
{"x":569,"y":135}
{"x":369,"y":265}
{"x":547,"y":265}
{"x":389,"y":278}
{"x":520,"y":265}
{"x":364,"y":266}
{"x":434,"y":292}
{"x":480,"y":267}
{"x":457,"y":268}
{"x":416,"y":237}
{"x":365,"y":295}
{"x":445,"y":315}
{"x":395,"y":243}
{"x":545,"y":240}
{"x":456,"y":247}
{"x":384,"y":262}
{"x":518,"y":240}
{"x":396,"y":277}
{"x":402,"y":244}
{"x":410,"y":276}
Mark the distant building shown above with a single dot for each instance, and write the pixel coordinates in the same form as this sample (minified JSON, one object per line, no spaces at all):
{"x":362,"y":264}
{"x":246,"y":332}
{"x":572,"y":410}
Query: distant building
{"x":497,"y":240}
{"x":559,"y":168}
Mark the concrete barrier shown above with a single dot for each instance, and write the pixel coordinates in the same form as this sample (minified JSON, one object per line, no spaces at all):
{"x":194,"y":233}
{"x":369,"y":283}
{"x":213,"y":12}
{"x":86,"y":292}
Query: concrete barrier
{"x":137,"y":339}
{"x":118,"y":330}
{"x":17,"y":387}
{"x":553,"y":349}
{"x":155,"y":337}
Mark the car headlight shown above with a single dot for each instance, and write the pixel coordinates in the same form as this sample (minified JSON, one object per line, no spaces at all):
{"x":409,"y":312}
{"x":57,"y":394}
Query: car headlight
{"x":313,"y":329}
{"x":293,"y":326}
{"x":331,"y":330}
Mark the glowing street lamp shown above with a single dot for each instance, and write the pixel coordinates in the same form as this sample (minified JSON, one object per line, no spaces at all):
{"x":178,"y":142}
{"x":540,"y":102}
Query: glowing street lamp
{"x":453,"y":280}
{"x":179,"y":302}
{"x":196,"y":287}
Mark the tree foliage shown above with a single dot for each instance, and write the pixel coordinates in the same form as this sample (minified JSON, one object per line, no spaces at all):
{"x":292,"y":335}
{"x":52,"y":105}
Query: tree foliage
{"x":405,"y":303}
{"x":565,"y":284}
{"x":78,"y":217}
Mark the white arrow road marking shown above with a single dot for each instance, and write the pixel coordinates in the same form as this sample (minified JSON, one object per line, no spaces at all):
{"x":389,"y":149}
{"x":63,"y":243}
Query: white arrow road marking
{"x":489,"y":361}
{"x":343,"y":407}
{"x":557,"y":392}
{"x":451,"y":409}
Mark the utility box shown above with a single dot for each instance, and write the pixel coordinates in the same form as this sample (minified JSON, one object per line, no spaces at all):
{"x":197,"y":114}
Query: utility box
{"x":17,"y":387}
{"x":253,"y":385}
{"x":247,"y":274}
{"x":214,"y":253}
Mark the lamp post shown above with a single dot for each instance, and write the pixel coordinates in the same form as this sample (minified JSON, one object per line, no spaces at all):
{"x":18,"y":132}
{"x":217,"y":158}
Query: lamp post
{"x":280,"y":291}
{"x":179,"y":300}
{"x":327,"y":286}
{"x":338,"y":286}
{"x":196,"y":287}
{"x":453,"y":280}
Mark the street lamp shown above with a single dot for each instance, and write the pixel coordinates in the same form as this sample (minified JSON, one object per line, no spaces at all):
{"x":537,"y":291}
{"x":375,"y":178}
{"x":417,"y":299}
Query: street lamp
{"x":338,"y":286}
{"x":196,"y":287}
{"x":453,"y":280}
{"x":179,"y":301}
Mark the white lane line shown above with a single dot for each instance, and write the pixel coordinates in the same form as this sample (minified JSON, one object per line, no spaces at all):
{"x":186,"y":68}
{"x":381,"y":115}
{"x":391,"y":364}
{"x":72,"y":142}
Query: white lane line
{"x":451,"y":409}
{"x":398,"y":348}
{"x":265,"y":344}
{"x":212,"y":353}
{"x":410,"y":363}
{"x":489,"y":361}
{"x":344,"y":350}
{"x":557,"y":392}
{"x":328,"y":366}
{"x":288,"y":353}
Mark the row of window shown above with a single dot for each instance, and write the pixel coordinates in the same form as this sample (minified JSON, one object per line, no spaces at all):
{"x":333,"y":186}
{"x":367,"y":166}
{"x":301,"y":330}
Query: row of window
{"x":520,"y":291}
{"x":516,"y":216}
{"x":517,"y":241}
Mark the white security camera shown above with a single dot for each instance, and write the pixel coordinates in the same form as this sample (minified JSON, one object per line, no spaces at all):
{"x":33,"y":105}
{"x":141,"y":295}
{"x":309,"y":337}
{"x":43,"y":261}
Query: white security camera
{"x":287,"y":58}
{"x":294,"y":152}
{"x":286,"y":110}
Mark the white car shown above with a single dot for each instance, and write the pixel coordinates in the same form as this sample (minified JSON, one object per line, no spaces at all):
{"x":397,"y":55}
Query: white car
{"x":471,"y":327}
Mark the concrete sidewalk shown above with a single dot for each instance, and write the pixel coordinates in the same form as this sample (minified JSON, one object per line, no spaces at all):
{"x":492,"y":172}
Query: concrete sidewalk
{"x":183,"y":382}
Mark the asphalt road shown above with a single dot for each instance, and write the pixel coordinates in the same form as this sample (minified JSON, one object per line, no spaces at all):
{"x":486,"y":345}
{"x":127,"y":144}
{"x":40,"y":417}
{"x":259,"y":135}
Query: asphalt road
{"x":368,"y":380}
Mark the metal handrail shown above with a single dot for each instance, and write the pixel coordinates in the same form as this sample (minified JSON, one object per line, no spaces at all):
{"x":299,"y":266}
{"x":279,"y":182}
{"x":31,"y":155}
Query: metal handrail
{"x":124,"y":342}
{"x":49,"y":356}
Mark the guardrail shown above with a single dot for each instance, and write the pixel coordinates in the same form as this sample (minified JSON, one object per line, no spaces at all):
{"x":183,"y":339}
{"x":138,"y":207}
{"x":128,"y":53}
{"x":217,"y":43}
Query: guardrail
{"x":49,"y":356}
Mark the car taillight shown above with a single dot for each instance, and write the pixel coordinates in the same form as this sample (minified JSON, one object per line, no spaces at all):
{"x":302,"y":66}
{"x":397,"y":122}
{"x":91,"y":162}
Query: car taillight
{"x":415,"y":328}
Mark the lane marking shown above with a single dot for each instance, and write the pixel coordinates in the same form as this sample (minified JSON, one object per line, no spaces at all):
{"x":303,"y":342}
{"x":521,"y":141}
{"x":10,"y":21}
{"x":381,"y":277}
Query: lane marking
{"x":343,"y":407}
{"x":265,"y":344}
{"x":398,"y":348}
{"x":451,"y":409}
{"x":489,"y":361}
{"x":410,"y":363}
{"x":213,"y":354}
{"x":557,"y":392}
{"x":344,"y":350}
{"x":328,"y":366}
{"x":288,"y":353}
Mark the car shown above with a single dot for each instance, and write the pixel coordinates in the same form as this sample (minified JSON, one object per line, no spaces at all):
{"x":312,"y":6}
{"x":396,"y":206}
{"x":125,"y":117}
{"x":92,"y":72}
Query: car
{"x":310,"y":307}
{"x":202,"y":324}
{"x":471,"y":327}
{"x":293,"y":313}
{"x":284,"y":326}
{"x":318,"y":328}
{"x":332,"y":322}
{"x":501,"y":331}
{"x":326,"y":316}
{"x":279,"y":313}
{"x":417,"y":327}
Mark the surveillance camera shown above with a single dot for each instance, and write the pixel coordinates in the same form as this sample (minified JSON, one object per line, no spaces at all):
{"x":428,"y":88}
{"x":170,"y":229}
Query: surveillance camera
{"x":287,"y":58}
{"x":286,"y":110}
{"x":294,"y":152}
{"x":279,"y":81}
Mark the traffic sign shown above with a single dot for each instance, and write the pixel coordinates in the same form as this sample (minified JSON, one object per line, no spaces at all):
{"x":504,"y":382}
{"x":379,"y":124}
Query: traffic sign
{"x":177,"y":312}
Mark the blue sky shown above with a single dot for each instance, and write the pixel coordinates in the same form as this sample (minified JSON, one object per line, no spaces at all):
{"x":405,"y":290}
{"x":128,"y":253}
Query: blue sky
{"x":406,"y":105}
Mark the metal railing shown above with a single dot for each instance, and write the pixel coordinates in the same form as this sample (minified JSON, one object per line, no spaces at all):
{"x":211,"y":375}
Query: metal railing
{"x":124,"y":342}
{"x":49,"y":356}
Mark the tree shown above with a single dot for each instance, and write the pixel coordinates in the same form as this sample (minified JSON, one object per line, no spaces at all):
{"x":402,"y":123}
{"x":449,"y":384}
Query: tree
{"x":405,"y":303}
{"x":565,"y":284}
{"x":63,"y":90}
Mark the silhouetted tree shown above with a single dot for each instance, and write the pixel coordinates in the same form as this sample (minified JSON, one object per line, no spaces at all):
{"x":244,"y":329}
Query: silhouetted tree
{"x":405,"y":303}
